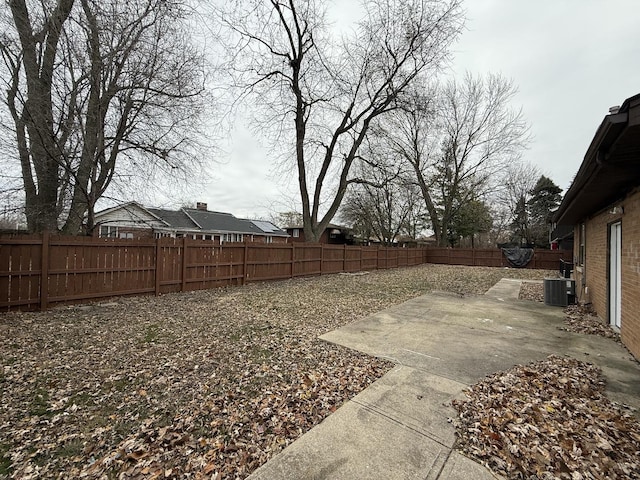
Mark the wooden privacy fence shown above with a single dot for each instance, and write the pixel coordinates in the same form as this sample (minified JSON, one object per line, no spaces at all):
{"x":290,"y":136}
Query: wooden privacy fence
{"x":41,"y":271}
{"x":493,"y":257}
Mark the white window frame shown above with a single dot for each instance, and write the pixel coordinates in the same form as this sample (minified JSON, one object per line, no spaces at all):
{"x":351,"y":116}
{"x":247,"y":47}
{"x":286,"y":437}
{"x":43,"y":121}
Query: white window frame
{"x":232,"y":238}
{"x":296,"y":232}
{"x":111,"y":231}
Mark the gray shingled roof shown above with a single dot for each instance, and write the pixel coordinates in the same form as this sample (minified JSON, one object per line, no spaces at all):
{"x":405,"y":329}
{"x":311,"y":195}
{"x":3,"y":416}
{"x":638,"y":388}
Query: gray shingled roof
{"x":176,"y":219}
{"x":206,"y":221}
{"x":221,"y":222}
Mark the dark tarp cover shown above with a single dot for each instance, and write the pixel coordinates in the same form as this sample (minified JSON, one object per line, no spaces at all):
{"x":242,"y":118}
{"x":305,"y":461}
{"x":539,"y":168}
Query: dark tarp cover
{"x":518,"y":257}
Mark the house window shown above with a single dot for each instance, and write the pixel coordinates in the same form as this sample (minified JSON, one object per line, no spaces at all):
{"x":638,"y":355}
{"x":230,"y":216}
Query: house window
{"x":126,"y":235}
{"x":108,"y":231}
{"x":296,"y":232}
{"x":581,"y":239}
{"x":232,"y":237}
{"x":268,"y":239}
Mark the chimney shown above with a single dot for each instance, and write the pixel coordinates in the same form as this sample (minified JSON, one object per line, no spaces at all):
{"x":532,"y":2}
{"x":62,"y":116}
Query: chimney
{"x":613,"y":110}
{"x":201,"y":206}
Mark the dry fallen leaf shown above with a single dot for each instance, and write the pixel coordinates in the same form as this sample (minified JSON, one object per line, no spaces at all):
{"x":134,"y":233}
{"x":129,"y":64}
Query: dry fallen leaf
{"x":550,"y":419}
{"x":212,"y":381}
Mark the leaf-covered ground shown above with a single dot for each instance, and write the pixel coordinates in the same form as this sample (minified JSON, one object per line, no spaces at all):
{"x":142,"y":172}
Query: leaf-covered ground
{"x":533,"y":291}
{"x":578,"y":318}
{"x":549,"y":420}
{"x":206,"y":384}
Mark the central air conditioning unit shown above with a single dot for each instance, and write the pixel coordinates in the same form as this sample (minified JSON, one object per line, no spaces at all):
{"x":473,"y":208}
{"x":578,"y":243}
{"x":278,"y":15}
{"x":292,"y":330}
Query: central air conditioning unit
{"x":559,"y":292}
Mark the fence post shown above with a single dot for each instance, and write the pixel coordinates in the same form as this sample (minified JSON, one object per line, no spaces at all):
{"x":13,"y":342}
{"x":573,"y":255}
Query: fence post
{"x":293,"y":259}
{"x":183,"y":285}
{"x":158,"y":263}
{"x":44,"y":272}
{"x":244,"y":263}
{"x":344,"y":257}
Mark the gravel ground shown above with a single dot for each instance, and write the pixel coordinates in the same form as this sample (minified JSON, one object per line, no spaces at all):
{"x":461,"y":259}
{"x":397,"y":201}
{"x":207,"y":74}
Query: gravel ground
{"x":206,"y":384}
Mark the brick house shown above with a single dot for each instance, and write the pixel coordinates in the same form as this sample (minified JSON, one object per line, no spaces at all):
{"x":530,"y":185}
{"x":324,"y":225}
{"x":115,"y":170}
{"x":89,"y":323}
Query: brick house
{"x":603,"y":207}
{"x":333,"y":234}
{"x":132,"y":220}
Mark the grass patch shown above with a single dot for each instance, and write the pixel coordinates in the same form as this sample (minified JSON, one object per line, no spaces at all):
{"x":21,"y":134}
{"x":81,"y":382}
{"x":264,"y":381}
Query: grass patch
{"x":258,"y":353}
{"x":72,"y":448}
{"x":152,"y":333}
{"x":39,"y":405}
{"x":5,"y":460}
{"x":82,"y":398}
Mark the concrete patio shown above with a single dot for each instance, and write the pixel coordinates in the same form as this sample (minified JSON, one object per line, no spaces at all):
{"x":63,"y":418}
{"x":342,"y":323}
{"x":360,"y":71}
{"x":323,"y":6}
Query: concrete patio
{"x":399,"y":427}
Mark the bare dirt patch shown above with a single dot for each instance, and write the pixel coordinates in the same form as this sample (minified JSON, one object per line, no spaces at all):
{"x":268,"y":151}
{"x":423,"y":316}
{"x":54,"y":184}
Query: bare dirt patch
{"x":206,"y":384}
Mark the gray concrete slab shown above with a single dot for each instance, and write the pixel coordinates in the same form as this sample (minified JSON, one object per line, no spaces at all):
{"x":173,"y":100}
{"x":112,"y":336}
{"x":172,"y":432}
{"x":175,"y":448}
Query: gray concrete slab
{"x":505,"y":289}
{"x":459,"y":467}
{"x":416,"y":399}
{"x":398,"y":427}
{"x":467,"y":338}
{"x":357,"y":442}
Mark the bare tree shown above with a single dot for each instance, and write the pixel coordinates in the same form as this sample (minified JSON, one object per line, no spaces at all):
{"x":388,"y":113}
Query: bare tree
{"x":324,"y":95}
{"x":458,"y":144}
{"x":287,"y":219}
{"x":383,"y":205}
{"x":509,"y":199}
{"x":92,"y":86}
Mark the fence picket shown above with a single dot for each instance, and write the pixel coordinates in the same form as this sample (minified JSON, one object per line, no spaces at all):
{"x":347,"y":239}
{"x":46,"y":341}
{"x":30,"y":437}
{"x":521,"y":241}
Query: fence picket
{"x":72,"y":269}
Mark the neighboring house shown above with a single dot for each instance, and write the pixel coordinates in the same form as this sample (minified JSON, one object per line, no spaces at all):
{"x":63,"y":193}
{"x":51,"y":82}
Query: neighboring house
{"x":603,"y":206}
{"x":401,"y":241}
{"x":333,"y":234}
{"x":132,"y":220}
{"x":561,"y":237}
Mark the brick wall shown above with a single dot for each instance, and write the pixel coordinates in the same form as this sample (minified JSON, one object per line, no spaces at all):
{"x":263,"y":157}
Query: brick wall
{"x":597,"y":264}
{"x":631,"y":274}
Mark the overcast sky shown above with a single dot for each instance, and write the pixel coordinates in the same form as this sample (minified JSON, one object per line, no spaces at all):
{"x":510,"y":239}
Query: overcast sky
{"x":571,"y":61}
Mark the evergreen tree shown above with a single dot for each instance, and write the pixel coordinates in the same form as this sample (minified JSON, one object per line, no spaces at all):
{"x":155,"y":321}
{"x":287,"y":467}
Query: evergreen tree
{"x":470,"y":218}
{"x":545,"y":198}
{"x":521,"y":232}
